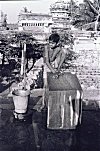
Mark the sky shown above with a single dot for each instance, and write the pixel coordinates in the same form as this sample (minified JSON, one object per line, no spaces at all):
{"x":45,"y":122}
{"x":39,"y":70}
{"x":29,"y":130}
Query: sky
{"x":12,"y":8}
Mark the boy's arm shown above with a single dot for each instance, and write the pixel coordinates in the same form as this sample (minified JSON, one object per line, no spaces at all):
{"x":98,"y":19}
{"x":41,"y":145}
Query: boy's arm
{"x":46,"y":59}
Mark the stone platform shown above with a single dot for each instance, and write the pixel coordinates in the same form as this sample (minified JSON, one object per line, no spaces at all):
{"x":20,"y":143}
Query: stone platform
{"x":89,"y":103}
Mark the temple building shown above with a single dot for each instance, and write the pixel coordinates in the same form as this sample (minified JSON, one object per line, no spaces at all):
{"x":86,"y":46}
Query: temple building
{"x":58,"y":18}
{"x":35,"y":22}
{"x":60,"y":15}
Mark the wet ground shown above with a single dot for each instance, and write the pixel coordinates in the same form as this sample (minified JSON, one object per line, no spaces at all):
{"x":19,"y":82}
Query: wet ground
{"x":32,"y":135}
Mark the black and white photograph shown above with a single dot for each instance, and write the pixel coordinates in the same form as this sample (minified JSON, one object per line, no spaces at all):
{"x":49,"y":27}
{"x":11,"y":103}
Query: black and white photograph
{"x":50,"y":75}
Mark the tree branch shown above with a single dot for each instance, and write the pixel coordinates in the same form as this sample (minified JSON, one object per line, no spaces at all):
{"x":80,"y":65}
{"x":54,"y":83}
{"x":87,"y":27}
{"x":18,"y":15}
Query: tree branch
{"x":92,"y":7}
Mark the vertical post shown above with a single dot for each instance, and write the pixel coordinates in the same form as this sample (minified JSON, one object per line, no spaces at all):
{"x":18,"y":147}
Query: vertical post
{"x":23,"y":60}
{"x":22,"y":63}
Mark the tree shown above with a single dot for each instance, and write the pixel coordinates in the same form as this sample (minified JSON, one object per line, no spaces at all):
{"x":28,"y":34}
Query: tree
{"x":89,"y":15}
{"x":4,"y":20}
{"x":66,"y":38}
{"x":25,"y":9}
{"x":12,"y":48}
{"x":73,"y":9}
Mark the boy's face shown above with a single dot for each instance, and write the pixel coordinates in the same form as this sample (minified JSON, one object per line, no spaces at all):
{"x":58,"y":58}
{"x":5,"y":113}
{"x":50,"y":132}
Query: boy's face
{"x":52,"y":44}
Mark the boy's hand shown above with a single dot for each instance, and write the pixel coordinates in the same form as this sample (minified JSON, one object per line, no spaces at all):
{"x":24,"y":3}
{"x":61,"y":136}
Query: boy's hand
{"x":53,"y":71}
{"x":56,"y":75}
{"x":59,"y":73}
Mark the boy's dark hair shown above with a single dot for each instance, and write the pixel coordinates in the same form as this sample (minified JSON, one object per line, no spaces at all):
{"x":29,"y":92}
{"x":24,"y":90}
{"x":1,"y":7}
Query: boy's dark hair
{"x":54,"y":38}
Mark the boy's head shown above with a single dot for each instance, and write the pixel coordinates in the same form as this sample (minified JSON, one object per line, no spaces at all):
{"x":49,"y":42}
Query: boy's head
{"x":54,"y":39}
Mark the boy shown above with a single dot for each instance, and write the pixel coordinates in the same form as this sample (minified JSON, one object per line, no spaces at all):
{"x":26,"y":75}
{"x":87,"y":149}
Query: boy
{"x":54,"y":56}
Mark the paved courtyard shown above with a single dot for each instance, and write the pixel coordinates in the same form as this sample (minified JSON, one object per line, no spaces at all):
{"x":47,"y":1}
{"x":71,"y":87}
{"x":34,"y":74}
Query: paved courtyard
{"x":33,"y":135}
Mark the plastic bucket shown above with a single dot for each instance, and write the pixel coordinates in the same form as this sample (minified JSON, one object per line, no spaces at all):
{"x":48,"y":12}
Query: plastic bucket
{"x":20,"y":99}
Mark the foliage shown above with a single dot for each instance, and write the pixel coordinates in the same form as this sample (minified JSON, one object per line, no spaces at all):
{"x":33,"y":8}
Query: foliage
{"x":73,"y":9}
{"x":11,"y":46}
{"x":68,"y":39}
{"x":3,"y":19}
{"x":88,"y":13}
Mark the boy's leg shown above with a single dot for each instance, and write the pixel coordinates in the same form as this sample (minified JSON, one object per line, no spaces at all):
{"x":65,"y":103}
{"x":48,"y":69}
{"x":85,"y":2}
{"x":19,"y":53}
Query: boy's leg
{"x":61,"y":59}
{"x":43,"y":100}
{"x":45,"y":92}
